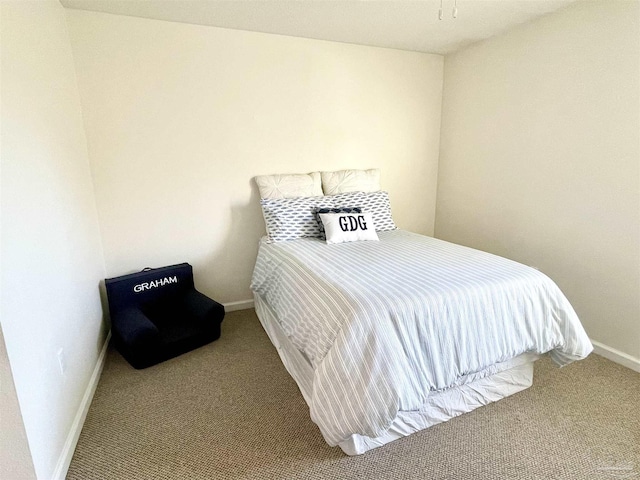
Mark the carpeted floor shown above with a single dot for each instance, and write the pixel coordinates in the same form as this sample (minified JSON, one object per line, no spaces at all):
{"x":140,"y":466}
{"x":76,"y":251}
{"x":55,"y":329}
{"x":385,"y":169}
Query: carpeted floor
{"x":229,"y":410}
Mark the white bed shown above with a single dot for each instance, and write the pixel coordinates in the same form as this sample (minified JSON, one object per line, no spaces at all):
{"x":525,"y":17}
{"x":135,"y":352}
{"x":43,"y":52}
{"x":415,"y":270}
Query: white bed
{"x":387,"y":338}
{"x":392,"y":335}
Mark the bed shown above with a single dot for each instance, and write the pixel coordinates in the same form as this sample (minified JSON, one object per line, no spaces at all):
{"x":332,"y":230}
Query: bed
{"x":388,"y":337}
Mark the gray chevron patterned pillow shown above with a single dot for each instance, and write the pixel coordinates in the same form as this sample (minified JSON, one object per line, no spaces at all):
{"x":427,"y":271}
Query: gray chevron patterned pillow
{"x":376,"y":203}
{"x":291,"y":218}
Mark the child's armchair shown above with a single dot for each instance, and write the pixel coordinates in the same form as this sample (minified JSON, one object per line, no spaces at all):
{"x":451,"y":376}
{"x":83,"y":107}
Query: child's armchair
{"x":158,"y":314}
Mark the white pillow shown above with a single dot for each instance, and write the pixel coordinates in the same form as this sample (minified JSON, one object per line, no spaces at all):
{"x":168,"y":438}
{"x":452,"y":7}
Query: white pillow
{"x":289,"y":186}
{"x":350,"y":181}
{"x":348,"y":227}
{"x":376,"y":203}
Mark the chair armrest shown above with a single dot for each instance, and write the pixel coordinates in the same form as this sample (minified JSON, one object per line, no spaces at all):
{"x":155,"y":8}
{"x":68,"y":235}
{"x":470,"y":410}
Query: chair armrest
{"x":134,"y":328}
{"x":202,"y":307}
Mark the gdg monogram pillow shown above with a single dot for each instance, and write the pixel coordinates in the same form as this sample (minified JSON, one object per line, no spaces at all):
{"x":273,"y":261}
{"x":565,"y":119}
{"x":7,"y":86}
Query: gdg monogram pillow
{"x":348,"y":227}
{"x":333,"y":210}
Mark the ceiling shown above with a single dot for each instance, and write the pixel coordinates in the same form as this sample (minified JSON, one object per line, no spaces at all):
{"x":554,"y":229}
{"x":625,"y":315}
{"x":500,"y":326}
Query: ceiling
{"x":400,"y":24}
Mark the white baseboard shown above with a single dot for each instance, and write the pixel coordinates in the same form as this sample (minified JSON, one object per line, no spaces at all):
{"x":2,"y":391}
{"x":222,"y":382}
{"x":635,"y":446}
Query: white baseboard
{"x":241,"y":305}
{"x":617,"y":356}
{"x":76,"y":427}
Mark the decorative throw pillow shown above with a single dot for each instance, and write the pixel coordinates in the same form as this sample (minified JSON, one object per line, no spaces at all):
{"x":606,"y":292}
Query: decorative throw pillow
{"x":348,"y":227}
{"x":291,"y":218}
{"x":333,"y":210}
{"x":376,"y":203}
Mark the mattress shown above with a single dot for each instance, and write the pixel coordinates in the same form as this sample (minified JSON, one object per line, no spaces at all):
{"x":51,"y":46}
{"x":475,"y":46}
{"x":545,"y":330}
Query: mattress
{"x":386,"y":326}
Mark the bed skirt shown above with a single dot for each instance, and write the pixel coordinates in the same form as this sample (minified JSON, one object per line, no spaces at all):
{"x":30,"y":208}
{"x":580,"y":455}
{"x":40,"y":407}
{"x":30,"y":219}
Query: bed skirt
{"x":515,"y":376}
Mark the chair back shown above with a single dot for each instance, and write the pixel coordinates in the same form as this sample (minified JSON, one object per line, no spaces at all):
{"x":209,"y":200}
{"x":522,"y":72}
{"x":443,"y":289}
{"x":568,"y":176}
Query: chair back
{"x":148,"y":286}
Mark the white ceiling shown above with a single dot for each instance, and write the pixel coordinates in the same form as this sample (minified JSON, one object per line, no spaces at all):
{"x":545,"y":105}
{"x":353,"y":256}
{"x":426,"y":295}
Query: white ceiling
{"x":405,"y":25}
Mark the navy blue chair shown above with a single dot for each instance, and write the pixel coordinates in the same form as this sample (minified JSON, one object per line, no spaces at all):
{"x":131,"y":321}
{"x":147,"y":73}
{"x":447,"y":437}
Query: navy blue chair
{"x":158,"y":314}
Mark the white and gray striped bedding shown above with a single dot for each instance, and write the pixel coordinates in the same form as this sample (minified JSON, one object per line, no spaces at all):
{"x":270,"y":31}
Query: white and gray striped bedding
{"x":385,"y":323}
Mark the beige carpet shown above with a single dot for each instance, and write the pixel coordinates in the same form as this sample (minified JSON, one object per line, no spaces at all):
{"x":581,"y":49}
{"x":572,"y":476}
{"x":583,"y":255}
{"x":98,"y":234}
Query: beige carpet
{"x":229,"y":410}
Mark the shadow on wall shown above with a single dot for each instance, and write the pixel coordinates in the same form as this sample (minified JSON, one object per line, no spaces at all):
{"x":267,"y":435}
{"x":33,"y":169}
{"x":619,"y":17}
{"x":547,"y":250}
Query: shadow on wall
{"x":246,"y":227}
{"x":105,"y":327}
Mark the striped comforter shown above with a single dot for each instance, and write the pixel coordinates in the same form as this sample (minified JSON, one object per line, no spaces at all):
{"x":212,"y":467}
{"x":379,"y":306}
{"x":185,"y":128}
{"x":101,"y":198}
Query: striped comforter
{"x":385,"y":323}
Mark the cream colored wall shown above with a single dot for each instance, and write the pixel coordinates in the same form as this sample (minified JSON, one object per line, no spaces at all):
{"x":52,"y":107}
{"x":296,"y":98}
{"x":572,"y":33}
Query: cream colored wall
{"x":51,"y":253}
{"x":179,"y":118}
{"x":540,"y":158}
